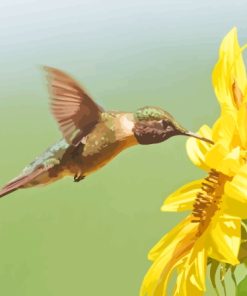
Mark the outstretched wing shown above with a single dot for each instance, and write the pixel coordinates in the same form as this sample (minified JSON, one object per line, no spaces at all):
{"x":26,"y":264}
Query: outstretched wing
{"x":74,"y":110}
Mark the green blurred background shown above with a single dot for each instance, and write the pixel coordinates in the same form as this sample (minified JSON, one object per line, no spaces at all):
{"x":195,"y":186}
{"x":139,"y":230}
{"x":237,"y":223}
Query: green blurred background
{"x":92,"y":238}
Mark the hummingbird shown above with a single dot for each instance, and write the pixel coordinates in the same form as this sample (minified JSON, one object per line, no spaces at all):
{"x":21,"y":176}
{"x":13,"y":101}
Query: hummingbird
{"x":91,"y":136}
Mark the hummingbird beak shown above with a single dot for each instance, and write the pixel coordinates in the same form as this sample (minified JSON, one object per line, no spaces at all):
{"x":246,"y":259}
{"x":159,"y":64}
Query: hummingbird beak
{"x":190,"y":134}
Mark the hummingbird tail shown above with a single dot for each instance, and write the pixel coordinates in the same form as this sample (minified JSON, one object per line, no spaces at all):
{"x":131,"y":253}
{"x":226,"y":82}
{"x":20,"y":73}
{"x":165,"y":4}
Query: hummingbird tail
{"x":6,"y":191}
{"x":21,"y":181}
{"x":11,"y":186}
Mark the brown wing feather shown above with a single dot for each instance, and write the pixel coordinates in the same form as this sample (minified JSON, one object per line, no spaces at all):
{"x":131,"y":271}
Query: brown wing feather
{"x":74,"y":110}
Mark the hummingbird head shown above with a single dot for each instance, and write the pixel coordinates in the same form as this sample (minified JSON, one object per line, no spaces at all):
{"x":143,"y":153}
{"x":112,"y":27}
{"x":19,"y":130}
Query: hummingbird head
{"x":155,"y":125}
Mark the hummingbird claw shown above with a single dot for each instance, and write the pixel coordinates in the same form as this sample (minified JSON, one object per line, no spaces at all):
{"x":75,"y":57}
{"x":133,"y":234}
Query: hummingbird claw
{"x":78,"y":178}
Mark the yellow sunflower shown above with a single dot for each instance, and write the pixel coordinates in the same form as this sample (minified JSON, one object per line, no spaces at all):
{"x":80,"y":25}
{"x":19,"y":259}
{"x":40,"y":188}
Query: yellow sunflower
{"x":218,"y":202}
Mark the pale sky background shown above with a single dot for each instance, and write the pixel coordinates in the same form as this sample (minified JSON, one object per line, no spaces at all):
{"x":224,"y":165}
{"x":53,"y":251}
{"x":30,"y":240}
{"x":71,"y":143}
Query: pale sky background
{"x":92,"y":238}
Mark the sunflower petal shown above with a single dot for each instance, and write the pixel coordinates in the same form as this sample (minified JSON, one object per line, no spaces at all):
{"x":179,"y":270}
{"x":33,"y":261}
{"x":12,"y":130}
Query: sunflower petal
{"x":223,"y":160}
{"x":197,"y":149}
{"x":216,"y":155}
{"x":223,"y":239}
{"x":231,"y":163}
{"x":242,"y":124}
{"x":191,"y":279}
{"x":183,"y":198}
{"x":224,"y":129}
{"x":197,"y":270}
{"x":155,"y":252}
{"x":229,"y":75}
{"x":171,"y":256}
{"x":235,"y":200}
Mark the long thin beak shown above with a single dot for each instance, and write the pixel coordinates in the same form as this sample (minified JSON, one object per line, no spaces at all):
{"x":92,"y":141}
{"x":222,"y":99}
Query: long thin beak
{"x":190,"y":134}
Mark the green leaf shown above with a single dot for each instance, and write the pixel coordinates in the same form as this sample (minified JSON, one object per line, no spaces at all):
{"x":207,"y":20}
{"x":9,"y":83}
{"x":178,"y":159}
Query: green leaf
{"x":242,"y":256}
{"x":213,"y":270}
{"x":233,"y":268}
{"x":242,"y":288}
{"x":223,"y":271}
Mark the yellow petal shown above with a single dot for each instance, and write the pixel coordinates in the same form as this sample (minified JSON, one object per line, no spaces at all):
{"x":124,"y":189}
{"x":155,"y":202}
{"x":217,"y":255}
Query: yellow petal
{"x":223,"y":239}
{"x":172,"y":252}
{"x":235,"y":199}
{"x":229,"y":69}
{"x":242,"y":125}
{"x":224,"y":160}
{"x":180,"y":288}
{"x":232,"y":163}
{"x":215,"y":156}
{"x":224,"y":129}
{"x":183,"y":198}
{"x":197,"y":149}
{"x":171,"y":236}
{"x":191,"y":278}
{"x":156,"y":280}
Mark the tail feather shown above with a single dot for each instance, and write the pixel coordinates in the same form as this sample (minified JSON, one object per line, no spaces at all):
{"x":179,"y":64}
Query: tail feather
{"x":5,"y":191}
{"x":21,"y":181}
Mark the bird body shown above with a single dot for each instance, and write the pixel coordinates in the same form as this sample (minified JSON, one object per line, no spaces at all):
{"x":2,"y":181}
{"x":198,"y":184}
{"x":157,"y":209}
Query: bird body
{"x":91,"y":136}
{"x":110,"y":136}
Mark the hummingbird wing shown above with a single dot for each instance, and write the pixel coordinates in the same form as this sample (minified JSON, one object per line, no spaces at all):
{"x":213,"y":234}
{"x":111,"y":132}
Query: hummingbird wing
{"x":73,"y":109}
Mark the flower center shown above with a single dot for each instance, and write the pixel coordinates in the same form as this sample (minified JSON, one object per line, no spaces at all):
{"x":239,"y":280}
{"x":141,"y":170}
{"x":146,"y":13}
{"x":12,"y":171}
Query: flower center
{"x":208,"y":199}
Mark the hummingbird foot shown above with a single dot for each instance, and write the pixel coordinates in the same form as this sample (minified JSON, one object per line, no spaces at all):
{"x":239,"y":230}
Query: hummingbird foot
{"x":78,"y":178}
